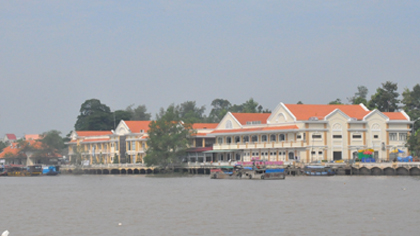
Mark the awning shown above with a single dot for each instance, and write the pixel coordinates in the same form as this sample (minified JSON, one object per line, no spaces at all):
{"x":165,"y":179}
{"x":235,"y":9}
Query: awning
{"x":223,"y":150}
{"x":397,"y":151}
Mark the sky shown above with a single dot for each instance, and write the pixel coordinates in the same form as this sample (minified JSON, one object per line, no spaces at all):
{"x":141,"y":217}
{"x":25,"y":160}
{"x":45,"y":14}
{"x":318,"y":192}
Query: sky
{"x":54,"y":55}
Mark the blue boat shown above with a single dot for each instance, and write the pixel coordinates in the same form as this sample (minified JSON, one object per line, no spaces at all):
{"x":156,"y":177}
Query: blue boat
{"x":50,"y":170}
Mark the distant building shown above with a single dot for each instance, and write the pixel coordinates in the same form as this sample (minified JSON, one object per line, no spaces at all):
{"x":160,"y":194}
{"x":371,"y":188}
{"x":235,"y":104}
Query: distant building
{"x":9,"y":138}
{"x":32,"y":136}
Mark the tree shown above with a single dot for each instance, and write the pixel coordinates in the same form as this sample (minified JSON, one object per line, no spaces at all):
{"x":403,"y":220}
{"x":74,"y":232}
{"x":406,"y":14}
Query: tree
{"x":336,"y":102}
{"x":220,"y":108}
{"x":120,"y":115}
{"x":360,"y":96}
{"x":386,"y":98}
{"x":51,"y":145}
{"x":3,"y":145}
{"x":300,"y":102}
{"x":413,"y":143}
{"x":138,"y":113}
{"x":250,"y":106}
{"x":168,"y":138}
{"x":188,"y":112}
{"x":94,"y":116}
{"x":411,"y":104}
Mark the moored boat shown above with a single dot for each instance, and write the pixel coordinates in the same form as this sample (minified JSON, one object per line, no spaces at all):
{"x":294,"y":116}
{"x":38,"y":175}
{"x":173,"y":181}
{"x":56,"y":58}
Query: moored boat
{"x":15,"y":170}
{"x":226,"y":172}
{"x":318,"y":171}
{"x":50,"y":170}
{"x":265,"y":174}
{"x":35,"y":170}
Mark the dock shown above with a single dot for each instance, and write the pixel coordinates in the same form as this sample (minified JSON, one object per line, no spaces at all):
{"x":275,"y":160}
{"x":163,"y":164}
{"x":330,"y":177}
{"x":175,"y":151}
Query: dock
{"x":365,"y":169}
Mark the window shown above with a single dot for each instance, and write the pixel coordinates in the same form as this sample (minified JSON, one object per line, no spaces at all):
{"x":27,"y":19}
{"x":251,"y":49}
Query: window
{"x":133,"y":145}
{"x":392,"y":136}
{"x":272,"y":138}
{"x":228,"y":125}
{"x":219,"y":140}
{"x":254,"y":138}
{"x":237,"y":139}
{"x":281,"y":137}
{"x":375,"y":136}
{"x":313,"y":153}
{"x":298,"y":136}
{"x":316,"y":136}
{"x":253,"y":122}
{"x":228,"y":140}
{"x":264,"y":138}
{"x":320,"y":152}
{"x":403,"y":136}
{"x":357,"y":136}
{"x":337,"y":136}
{"x":245,"y":139}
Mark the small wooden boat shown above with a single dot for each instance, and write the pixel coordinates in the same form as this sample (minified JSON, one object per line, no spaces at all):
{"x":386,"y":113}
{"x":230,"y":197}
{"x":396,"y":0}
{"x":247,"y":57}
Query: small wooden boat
{"x":50,"y":170}
{"x":264,"y":173}
{"x":318,"y":171}
{"x":226,"y":172}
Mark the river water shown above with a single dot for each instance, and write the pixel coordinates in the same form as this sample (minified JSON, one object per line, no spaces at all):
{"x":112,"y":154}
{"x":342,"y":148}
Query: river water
{"x":97,"y":205}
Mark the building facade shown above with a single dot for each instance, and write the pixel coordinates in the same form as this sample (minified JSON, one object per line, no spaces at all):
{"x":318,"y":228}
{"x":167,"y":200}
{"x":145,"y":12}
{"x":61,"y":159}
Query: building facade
{"x":310,"y":133}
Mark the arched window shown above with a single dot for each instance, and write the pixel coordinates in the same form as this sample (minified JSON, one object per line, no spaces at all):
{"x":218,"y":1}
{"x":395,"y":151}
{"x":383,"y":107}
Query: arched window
{"x":220,"y":140}
{"x":273,"y":138}
{"x":337,"y":127}
{"x":376,"y":127}
{"x":237,"y":139}
{"x":281,"y":137}
{"x":245,"y":139}
{"x":228,"y":125}
{"x":254,"y":138}
{"x":228,"y":140}
{"x":291,"y":156}
{"x":264,"y":138}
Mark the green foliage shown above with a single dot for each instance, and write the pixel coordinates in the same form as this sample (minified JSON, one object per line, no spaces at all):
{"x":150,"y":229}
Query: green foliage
{"x":121,"y":115}
{"x":360,"y":96}
{"x":94,"y":116}
{"x":116,"y":159}
{"x":3,"y":145}
{"x":52,"y":144}
{"x":188,"y":112}
{"x":336,"y":102}
{"x":220,"y":108}
{"x":413,"y":143}
{"x":386,"y":98}
{"x":411,"y":101}
{"x":168,"y":138}
{"x":138,"y":113}
{"x":300,"y":102}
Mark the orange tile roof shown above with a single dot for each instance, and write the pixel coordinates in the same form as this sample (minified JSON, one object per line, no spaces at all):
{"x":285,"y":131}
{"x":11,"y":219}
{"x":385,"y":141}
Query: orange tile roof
{"x":305,"y":111}
{"x":88,"y":133}
{"x":32,"y":136}
{"x":244,"y":117}
{"x":205,"y":125}
{"x":94,"y":140}
{"x":10,"y":149}
{"x":395,"y":115}
{"x":136,"y":125}
{"x":262,"y":129}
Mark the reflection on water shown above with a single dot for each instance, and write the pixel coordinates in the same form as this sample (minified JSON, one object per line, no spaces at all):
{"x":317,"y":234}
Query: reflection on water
{"x":95,"y":205}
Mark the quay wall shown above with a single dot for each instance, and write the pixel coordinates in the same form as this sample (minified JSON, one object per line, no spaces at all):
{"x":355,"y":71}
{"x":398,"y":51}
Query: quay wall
{"x":368,"y":169}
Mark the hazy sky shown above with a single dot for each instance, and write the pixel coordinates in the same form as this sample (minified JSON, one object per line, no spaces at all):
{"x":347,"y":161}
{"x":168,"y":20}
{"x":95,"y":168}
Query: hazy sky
{"x":54,"y":55}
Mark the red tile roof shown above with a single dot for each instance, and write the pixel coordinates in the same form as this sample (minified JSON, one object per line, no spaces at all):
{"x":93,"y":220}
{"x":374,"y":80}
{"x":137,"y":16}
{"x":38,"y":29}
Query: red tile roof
{"x":287,"y":127}
{"x":11,"y":136}
{"x":205,"y":125}
{"x":32,"y":136}
{"x":137,"y":125}
{"x":92,"y":133}
{"x":305,"y":111}
{"x":395,"y":115}
{"x":245,"y":117}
